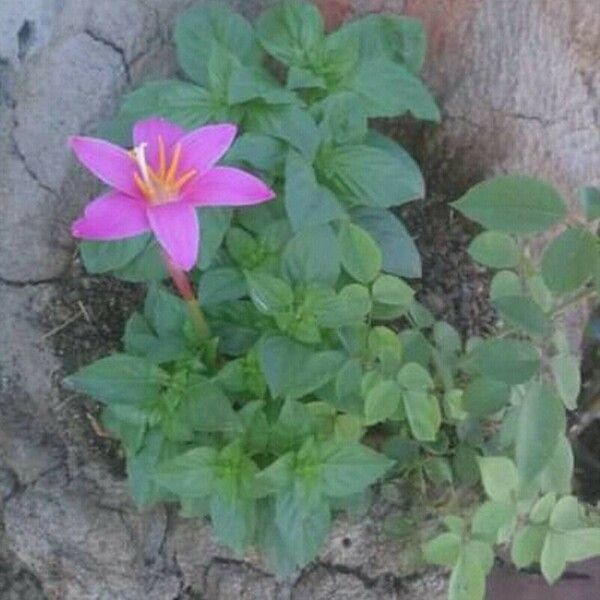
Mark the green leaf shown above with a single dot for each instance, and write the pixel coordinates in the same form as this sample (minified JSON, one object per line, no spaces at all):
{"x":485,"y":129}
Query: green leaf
{"x":165,"y":312}
{"x":500,"y":478}
{"x":343,"y":120}
{"x":293,"y":370}
{"x":481,"y":553}
{"x":423,"y":413}
{"x":527,"y":546}
{"x":513,"y":204}
{"x":484,"y":397}
{"x":291,"y":31}
{"x":493,"y":521}
{"x":184,"y":103}
{"x":505,"y":283}
{"x":467,"y":581}
{"x":307,"y":203}
{"x":570,"y":260}
{"x":371,"y":175}
{"x":106,"y":256}
{"x":259,"y":151}
{"x":190,"y":475}
{"x":388,"y":89}
{"x":128,"y":423}
{"x":413,"y":376}
{"x":566,"y":514}
{"x":120,"y":378}
{"x":553,"y":559}
{"x":349,"y":468}
{"x":269,"y":293}
{"x":400,"y":38}
{"x":541,"y":420}
{"x":557,"y":475}
{"x":443,"y":550}
{"x":214,"y":222}
{"x":146,"y":266}
{"x":507,"y":360}
{"x":540,"y":512}
{"x":248,"y":84}
{"x":220,"y":285}
{"x":566,"y":370}
{"x":496,"y":250}
{"x":200,"y":29}
{"x":582,"y":544}
{"x":589,"y":198}
{"x":361,"y":256}
{"x":400,"y":254}
{"x":382,"y":402}
{"x":388,"y":289}
{"x":523,"y":313}
{"x":312,"y":256}
{"x":447,"y":339}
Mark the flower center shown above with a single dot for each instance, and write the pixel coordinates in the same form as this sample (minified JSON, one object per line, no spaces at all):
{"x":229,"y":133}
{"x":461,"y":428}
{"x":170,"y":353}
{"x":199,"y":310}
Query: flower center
{"x":161,"y":185}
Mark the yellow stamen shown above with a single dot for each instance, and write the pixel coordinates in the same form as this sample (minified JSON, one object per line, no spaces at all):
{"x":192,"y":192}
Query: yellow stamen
{"x":162,"y":159}
{"x":174,"y":164}
{"x":144,"y":187}
{"x":184,"y":179}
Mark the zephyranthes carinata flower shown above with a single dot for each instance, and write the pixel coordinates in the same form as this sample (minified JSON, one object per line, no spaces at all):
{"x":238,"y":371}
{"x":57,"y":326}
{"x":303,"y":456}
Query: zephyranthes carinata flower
{"x":158,"y":185}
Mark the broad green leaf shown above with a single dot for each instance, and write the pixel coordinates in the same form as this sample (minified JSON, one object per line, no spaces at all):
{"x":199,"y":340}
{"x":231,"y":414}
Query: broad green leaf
{"x":166,"y":312}
{"x":371,"y":175}
{"x":269,"y":293}
{"x":557,"y":476}
{"x":570,"y":260}
{"x":423,"y":413}
{"x":120,"y":378}
{"x":400,"y":38}
{"x":554,"y":557}
{"x":513,"y":204}
{"x":313,"y":256}
{"x":361,"y":256}
{"x":541,"y":420}
{"x":400,"y":254}
{"x":527,"y":545}
{"x":467,"y":581}
{"x":343,"y":120}
{"x":500,"y":478}
{"x":505,"y":283}
{"x":291,"y":31}
{"x":348,"y":308}
{"x":246,"y":84}
{"x":349,"y":468}
{"x":128,"y":423}
{"x":184,"y":103}
{"x":480,"y":552}
{"x":523,"y":313}
{"x":105,"y":256}
{"x":483,"y":397}
{"x":566,"y":370}
{"x":259,"y":151}
{"x":190,"y":475}
{"x":413,"y":376}
{"x":220,"y":285}
{"x":566,"y":514}
{"x":443,"y":550}
{"x":388,"y":289}
{"x":200,"y":29}
{"x":388,"y":89}
{"x":496,"y":250}
{"x":582,"y":544}
{"x":540,"y":512}
{"x":382,"y":402}
{"x":293,"y":370}
{"x":494,"y":520}
{"x":348,"y":387}
{"x":507,"y":360}
{"x":148,"y":265}
{"x":214,"y":222}
{"x":307,"y":203}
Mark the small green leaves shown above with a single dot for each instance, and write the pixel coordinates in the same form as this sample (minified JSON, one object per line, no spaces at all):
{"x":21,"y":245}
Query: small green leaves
{"x":570,"y":260}
{"x":484,"y":397}
{"x":382,"y":402}
{"x":105,"y":256}
{"x":467,"y":581}
{"x":513,"y":204}
{"x":443,"y":550}
{"x":496,"y":250}
{"x":269,"y":293}
{"x":566,"y":370}
{"x":361,"y":256}
{"x":507,"y":360}
{"x":391,"y":290}
{"x":523,"y":313}
{"x":423,"y":413}
{"x":527,"y":545}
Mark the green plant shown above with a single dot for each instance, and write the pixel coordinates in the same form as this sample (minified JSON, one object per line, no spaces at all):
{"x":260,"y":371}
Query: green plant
{"x":317,"y":338}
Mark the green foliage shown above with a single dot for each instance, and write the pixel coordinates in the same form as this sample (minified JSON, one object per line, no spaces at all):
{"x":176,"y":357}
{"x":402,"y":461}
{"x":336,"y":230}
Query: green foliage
{"x":303,"y":398}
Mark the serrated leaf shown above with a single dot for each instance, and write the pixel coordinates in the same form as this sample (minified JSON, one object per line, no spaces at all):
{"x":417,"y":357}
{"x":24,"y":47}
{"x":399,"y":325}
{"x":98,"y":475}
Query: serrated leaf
{"x":513,"y":204}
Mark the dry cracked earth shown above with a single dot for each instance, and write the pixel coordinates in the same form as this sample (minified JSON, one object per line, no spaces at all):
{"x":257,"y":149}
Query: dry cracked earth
{"x":525,"y":98}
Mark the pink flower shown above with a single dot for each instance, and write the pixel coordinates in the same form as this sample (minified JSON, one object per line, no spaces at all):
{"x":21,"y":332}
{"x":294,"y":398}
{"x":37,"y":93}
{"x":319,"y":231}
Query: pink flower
{"x":157,"y":185}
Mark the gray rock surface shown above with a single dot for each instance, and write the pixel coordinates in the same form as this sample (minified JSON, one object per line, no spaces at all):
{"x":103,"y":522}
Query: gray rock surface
{"x":519,"y":84}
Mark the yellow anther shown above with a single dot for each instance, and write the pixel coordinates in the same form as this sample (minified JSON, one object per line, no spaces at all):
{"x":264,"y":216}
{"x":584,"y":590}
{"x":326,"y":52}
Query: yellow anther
{"x":174,"y":164}
{"x":184,"y":179}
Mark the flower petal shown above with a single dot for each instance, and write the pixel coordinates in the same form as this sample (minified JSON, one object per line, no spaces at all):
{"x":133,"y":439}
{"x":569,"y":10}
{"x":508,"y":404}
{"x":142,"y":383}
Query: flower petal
{"x":176,"y":228}
{"x":108,"y":162}
{"x":226,"y":186}
{"x":148,"y":131}
{"x":203,"y":147}
{"x":112,"y":217}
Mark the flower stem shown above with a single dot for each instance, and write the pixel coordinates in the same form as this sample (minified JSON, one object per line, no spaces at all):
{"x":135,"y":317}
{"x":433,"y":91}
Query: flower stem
{"x":184,"y":287}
